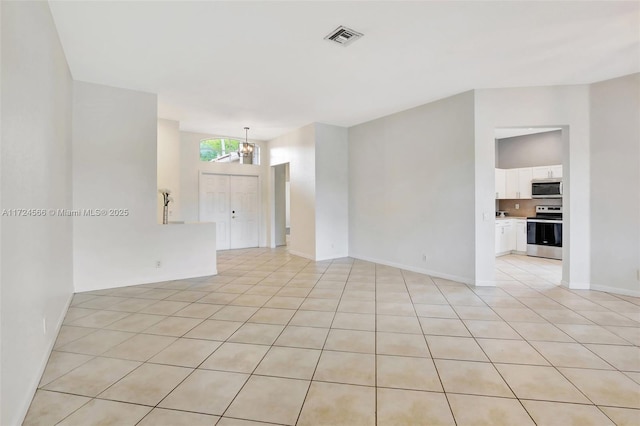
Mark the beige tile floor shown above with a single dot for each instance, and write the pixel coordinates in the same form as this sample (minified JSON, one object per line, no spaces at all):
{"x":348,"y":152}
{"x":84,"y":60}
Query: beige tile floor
{"x":278,"y":339}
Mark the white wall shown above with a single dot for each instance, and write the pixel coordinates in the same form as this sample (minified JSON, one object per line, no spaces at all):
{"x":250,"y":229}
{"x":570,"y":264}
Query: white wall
{"x":36,"y":252}
{"x":115,"y":167}
{"x":411,"y":189}
{"x":169,"y":166}
{"x":1,"y":207}
{"x":615,"y":185}
{"x":279,"y":204}
{"x":298,"y":149}
{"x":191,"y":167}
{"x":332,"y":192}
{"x":553,"y":106}
{"x":287,"y":195}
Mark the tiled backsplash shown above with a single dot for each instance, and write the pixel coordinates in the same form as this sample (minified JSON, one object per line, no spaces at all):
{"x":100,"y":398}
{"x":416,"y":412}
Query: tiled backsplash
{"x":527,"y":207}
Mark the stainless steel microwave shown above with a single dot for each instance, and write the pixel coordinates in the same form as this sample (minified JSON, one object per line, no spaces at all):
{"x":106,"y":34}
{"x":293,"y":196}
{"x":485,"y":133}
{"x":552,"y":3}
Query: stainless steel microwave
{"x":546,"y":188}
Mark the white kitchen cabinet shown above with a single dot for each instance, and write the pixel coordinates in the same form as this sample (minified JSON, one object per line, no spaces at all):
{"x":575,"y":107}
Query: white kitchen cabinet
{"x":498,"y":239}
{"x":505,"y":237}
{"x":511,"y":236}
{"x":540,"y":172}
{"x":547,"y":172}
{"x":524,"y":182}
{"x":520,"y":235}
{"x":501,"y":184}
{"x":511,"y":184}
{"x":518,"y":183}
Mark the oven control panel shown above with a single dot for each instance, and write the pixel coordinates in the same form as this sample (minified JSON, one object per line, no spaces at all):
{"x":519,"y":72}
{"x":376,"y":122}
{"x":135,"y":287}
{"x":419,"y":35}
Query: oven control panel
{"x":549,"y":209}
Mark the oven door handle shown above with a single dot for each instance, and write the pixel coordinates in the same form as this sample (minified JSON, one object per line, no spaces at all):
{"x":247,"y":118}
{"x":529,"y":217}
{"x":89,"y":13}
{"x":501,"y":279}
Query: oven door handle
{"x":543,"y":221}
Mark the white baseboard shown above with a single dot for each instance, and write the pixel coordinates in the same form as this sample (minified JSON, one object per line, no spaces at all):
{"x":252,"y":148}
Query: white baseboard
{"x":146,"y":280}
{"x":488,"y":283}
{"x":616,"y":290}
{"x":43,"y":364}
{"x":599,"y":287}
{"x":575,"y":285}
{"x":429,"y":272}
{"x":300,"y":254}
{"x":338,"y":256}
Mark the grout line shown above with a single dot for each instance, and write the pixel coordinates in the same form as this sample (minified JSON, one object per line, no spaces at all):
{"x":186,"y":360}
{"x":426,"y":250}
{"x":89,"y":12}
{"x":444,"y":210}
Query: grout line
{"x":375,"y":347}
{"x":304,"y":401}
{"x":272,"y":264}
{"x":435,"y":367}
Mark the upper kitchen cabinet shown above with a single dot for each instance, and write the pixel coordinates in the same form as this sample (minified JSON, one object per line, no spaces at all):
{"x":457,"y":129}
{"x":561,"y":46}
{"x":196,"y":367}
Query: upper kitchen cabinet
{"x":515,"y":184}
{"x":518,"y":183}
{"x":501,"y":184}
{"x":547,"y":172}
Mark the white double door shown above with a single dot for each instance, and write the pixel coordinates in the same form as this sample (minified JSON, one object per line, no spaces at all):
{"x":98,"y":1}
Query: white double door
{"x":232,"y":203}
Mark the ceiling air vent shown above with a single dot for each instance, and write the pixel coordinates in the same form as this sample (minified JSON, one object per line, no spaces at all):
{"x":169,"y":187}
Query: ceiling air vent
{"x":343,"y":35}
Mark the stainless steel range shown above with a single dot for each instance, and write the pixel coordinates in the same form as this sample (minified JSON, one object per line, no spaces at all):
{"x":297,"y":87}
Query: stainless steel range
{"x":544,"y":232}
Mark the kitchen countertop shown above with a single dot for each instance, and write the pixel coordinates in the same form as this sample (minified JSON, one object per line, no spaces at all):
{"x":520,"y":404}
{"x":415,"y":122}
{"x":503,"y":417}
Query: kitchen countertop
{"x":510,"y":217}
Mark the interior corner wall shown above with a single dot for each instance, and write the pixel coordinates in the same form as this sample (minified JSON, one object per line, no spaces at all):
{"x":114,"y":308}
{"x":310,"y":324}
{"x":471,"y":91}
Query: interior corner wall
{"x":298,"y":149}
{"x":169,"y":166}
{"x":36,"y":251}
{"x":332,"y":192}
{"x":615,"y":185}
{"x":115,"y":169}
{"x":191,"y":167}
{"x":552,"y":106}
{"x":411,"y":189}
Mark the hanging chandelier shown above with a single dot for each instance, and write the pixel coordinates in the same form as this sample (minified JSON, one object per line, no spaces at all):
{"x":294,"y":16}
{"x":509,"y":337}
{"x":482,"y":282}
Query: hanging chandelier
{"x":245,"y":151}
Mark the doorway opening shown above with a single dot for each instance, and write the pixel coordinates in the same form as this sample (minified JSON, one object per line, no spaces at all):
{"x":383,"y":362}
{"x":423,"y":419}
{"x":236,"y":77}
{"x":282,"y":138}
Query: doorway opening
{"x":281,"y":226}
{"x":529,"y":236}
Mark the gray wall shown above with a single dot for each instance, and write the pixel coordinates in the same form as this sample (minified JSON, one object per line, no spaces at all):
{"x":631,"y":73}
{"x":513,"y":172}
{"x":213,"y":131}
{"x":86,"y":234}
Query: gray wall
{"x":279,"y":196}
{"x":411,"y":189}
{"x":37,"y":280}
{"x":615,"y":184}
{"x":332,"y":192}
{"x":540,"y":149}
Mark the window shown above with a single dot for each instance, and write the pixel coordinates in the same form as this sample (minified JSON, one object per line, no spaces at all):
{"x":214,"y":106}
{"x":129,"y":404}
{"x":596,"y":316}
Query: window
{"x":220,"y":150}
{"x":225,"y":150}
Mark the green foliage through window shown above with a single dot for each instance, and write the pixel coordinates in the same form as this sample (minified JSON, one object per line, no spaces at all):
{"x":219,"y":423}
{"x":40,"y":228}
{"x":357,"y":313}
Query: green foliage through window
{"x":218,"y":149}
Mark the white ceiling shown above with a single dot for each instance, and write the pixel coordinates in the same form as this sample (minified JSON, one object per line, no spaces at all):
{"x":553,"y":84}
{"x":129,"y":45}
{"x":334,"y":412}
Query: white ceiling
{"x":220,"y":66}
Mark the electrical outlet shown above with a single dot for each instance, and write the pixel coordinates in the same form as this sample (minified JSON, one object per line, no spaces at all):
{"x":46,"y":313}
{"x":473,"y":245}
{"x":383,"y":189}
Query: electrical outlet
{"x":517,"y":206}
{"x":44,"y":325}
{"x":158,"y":264}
